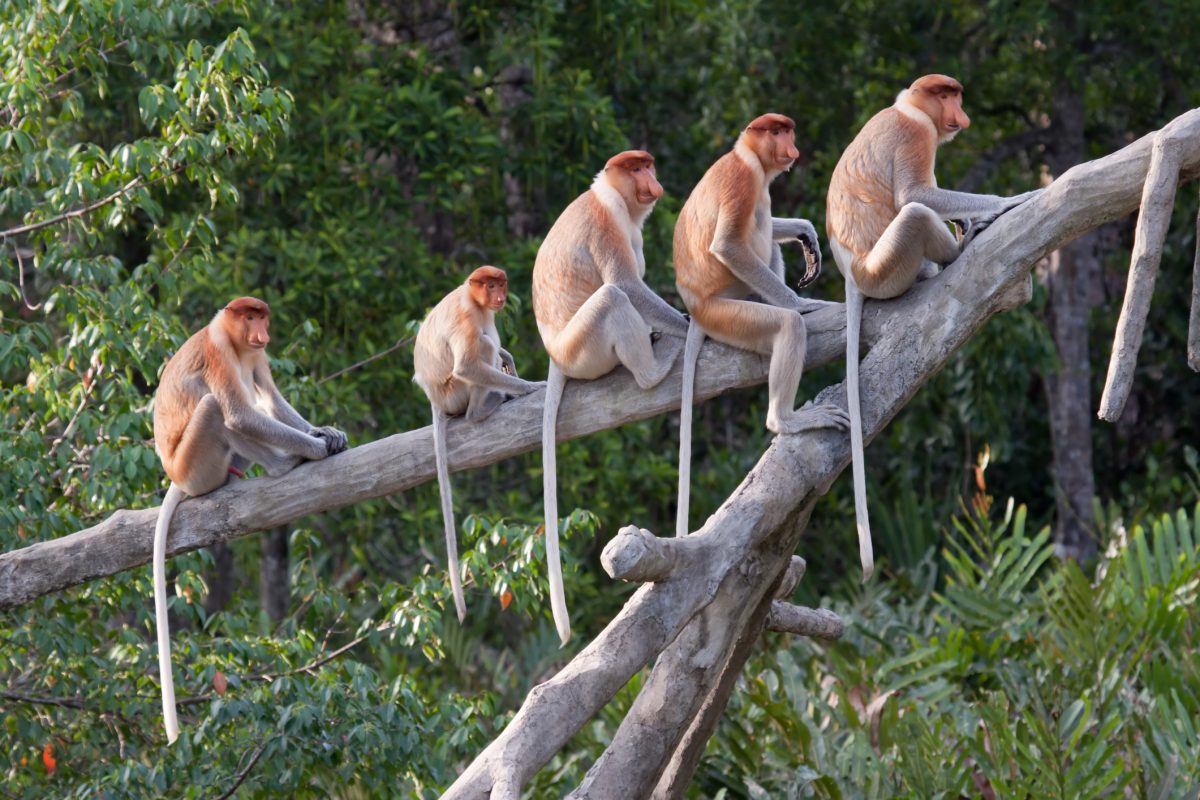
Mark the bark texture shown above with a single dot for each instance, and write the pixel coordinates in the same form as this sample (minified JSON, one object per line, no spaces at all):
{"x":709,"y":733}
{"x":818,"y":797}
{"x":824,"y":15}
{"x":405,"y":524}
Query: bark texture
{"x":1071,"y":280}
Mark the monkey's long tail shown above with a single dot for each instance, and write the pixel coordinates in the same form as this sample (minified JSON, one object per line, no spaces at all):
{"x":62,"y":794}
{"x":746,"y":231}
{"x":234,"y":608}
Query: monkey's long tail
{"x":443,"y":474}
{"x":159,"y":567}
{"x":555,"y":381}
{"x":691,"y":354}
{"x":854,"y":311}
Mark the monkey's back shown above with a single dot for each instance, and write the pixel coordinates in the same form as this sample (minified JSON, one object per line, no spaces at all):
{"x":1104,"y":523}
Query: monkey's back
{"x":433,"y":357}
{"x":180,"y":390}
{"x":861,"y":201}
{"x":698,"y":273}
{"x":565,"y":272}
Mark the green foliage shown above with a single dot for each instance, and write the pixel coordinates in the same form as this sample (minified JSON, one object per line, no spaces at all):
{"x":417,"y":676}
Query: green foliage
{"x":1020,"y":676}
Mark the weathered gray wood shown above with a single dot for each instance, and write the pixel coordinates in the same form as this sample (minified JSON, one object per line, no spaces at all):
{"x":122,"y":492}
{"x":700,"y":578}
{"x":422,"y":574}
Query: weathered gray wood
{"x":761,"y":523}
{"x":1158,"y":200}
{"x":383,"y":467}
{"x":819,"y":623}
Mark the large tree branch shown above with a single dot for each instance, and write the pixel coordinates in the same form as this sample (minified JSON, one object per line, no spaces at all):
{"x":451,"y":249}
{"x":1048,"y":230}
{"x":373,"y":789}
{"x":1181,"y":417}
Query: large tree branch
{"x":736,"y":556}
{"x":384,"y":467}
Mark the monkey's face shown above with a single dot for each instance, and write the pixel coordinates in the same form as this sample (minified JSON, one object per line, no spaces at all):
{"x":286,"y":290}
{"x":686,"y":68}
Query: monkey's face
{"x":646,"y":187}
{"x":253,"y":329}
{"x":952,"y":118}
{"x":783,"y":147}
{"x":489,"y":288}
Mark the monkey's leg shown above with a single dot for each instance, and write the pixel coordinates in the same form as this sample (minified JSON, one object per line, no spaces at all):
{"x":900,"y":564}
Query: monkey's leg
{"x":916,"y":234}
{"x":765,"y":329}
{"x":203,"y":455}
{"x":606,"y":331}
{"x":273,"y":460}
{"x":483,"y":403}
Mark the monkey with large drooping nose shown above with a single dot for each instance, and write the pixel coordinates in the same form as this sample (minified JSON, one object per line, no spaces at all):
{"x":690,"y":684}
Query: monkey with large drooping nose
{"x":463,"y":369}
{"x":217,"y":412}
{"x":886,"y":220}
{"x":595,"y":311}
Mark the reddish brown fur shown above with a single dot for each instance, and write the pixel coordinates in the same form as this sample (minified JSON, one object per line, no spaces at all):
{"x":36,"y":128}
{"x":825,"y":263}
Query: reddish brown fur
{"x":244,"y":324}
{"x":562,"y":282}
{"x":452,"y":335}
{"x":864,"y":192}
{"x":729,"y":197}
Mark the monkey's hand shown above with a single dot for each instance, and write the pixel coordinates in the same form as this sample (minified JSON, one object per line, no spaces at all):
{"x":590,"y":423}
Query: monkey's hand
{"x":1019,"y":199}
{"x":806,"y":235}
{"x":531,"y":387}
{"x":507,"y":364}
{"x":335,"y":440}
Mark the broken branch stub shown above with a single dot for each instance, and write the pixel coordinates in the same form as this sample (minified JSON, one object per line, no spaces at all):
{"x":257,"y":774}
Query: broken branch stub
{"x":1158,"y":198}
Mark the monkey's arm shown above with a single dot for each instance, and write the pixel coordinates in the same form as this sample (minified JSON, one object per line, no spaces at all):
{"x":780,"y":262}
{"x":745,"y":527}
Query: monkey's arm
{"x":471,"y":368}
{"x":242,"y":418}
{"x":785,"y":229}
{"x":277,"y":405}
{"x":732,"y":250}
{"x":621,"y":271}
{"x":279,"y":408}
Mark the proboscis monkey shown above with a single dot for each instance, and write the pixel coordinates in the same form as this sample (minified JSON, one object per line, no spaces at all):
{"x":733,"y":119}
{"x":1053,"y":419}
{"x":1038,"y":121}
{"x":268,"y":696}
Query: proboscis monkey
{"x":463,"y":369}
{"x":885,"y":219}
{"x":595,"y":312}
{"x":729,"y":271}
{"x":217,"y":412}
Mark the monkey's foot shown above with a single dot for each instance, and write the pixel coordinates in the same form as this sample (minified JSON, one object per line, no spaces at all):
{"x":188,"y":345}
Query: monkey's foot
{"x":810,"y":417}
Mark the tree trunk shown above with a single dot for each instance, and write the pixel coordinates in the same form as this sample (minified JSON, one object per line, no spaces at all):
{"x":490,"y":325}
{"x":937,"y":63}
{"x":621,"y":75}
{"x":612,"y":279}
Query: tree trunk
{"x":220,"y":579}
{"x":275,"y":589}
{"x":1071,"y":280}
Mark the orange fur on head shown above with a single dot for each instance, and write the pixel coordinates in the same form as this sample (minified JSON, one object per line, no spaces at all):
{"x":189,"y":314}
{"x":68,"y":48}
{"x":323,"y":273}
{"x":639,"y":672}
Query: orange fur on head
{"x":488,"y":287}
{"x":770,"y":123}
{"x":772,"y":137}
{"x":940,"y":97}
{"x":630,"y":160}
{"x":632,"y":174}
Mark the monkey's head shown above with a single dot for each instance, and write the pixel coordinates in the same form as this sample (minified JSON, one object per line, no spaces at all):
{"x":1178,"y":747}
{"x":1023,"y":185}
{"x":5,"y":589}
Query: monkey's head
{"x":773,"y":139}
{"x":632,"y":174}
{"x":488,"y":286}
{"x":940,"y":96}
{"x":246,"y":320}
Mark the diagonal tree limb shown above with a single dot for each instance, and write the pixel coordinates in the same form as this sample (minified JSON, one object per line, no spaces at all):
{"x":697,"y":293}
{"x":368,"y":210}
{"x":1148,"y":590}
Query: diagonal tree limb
{"x":1158,"y":200}
{"x":928,"y":325}
{"x":386,"y":466}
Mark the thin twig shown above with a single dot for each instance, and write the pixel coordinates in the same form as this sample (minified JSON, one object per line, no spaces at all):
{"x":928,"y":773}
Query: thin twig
{"x":88,"y":208}
{"x":63,"y":702}
{"x":74,"y":418}
{"x":405,"y":342}
{"x":240,"y":778}
{"x":21,"y":279}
